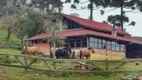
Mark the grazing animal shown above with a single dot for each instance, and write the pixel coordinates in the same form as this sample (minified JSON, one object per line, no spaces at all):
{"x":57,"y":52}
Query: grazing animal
{"x":31,"y":50}
{"x":63,"y":53}
{"x":86,"y":53}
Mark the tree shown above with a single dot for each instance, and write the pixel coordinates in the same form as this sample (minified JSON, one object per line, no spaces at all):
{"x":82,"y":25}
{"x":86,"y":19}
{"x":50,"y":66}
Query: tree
{"x":28,"y":25}
{"x":91,"y":5}
{"x":9,"y":24}
{"x":53,"y":24}
{"x":138,"y":4}
{"x":21,"y":27}
{"x":50,"y":6}
{"x":122,"y":18}
{"x":116,"y":19}
{"x":10,"y":7}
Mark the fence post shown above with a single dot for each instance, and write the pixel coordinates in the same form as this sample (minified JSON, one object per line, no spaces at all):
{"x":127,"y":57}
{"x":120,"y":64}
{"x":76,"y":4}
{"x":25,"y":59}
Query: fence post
{"x":54,"y":65}
{"x":106,"y":60}
{"x":26,"y":63}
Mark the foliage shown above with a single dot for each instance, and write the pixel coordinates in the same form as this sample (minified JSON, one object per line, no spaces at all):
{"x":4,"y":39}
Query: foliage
{"x":8,"y":60}
{"x":10,"y":7}
{"x":44,"y":5}
{"x":130,"y":5}
{"x":117,"y":19}
{"x":53,"y":24}
{"x":28,"y":25}
{"x":9,"y":24}
{"x":93,"y":4}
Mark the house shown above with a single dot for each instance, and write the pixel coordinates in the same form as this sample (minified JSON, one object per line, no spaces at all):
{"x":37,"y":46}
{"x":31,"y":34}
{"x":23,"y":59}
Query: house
{"x":83,"y":33}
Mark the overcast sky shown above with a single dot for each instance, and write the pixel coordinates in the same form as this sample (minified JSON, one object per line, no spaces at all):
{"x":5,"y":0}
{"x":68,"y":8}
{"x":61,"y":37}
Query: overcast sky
{"x":133,"y":30}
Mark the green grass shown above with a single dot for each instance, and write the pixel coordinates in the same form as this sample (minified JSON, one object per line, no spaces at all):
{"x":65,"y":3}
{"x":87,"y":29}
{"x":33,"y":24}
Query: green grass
{"x":10,"y":51}
{"x":12,"y":42}
{"x":20,"y":74}
{"x":3,"y":35}
{"x":131,"y":67}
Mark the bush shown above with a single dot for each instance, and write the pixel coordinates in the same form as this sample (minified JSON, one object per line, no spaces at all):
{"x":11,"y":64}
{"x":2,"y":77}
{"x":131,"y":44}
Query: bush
{"x":8,"y":60}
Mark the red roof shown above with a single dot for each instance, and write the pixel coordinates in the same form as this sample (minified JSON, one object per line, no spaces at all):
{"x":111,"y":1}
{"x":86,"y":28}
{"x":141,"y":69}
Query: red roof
{"x":78,"y":32}
{"x":40,"y":36}
{"x":93,"y":24}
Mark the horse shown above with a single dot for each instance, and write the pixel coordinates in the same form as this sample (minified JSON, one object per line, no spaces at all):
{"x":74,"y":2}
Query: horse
{"x":63,"y":53}
{"x":31,"y":50}
{"x":86,"y":53}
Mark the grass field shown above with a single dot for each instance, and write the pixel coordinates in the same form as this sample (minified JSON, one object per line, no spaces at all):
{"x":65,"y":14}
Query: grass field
{"x":12,"y":42}
{"x":10,"y":51}
{"x":20,"y":74}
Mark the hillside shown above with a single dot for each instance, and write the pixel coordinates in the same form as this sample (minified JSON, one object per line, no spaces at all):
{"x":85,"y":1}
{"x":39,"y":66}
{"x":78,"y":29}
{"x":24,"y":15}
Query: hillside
{"x":8,"y":46}
{"x":8,"y":43}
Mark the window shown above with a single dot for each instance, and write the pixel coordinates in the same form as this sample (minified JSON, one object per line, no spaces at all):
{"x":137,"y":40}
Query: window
{"x":37,"y":41}
{"x":122,"y":48}
{"x":91,"y":39}
{"x":77,"y":43}
{"x":92,"y":44}
{"x":84,"y":43}
{"x":103,"y":44}
{"x":44,"y":41}
{"x":72,"y":44}
{"x":113,"y":48}
{"x":95,"y":40}
{"x":113,"y":45}
{"x":117,"y":47}
{"x":99,"y":45}
{"x":109,"y":45}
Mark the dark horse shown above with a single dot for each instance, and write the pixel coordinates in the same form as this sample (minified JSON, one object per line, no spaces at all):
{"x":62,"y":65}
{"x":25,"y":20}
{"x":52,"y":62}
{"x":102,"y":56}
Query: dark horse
{"x":86,"y":53}
{"x":63,"y":53}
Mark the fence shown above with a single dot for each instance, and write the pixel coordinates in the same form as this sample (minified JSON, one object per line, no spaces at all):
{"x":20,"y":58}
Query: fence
{"x":69,"y":65}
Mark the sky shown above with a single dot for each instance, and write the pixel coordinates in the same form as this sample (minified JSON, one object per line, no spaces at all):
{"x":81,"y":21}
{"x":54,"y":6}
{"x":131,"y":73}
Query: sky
{"x":133,"y":30}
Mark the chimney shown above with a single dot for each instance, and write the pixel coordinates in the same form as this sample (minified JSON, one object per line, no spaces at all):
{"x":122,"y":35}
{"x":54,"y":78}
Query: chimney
{"x":124,"y":29}
{"x":114,"y":32}
{"x":75,"y":14}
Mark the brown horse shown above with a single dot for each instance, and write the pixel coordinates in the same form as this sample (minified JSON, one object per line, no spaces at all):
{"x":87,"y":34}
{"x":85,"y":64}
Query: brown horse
{"x":86,"y":53}
{"x":31,"y":50}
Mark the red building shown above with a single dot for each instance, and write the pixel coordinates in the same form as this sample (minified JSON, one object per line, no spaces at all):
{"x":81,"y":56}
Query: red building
{"x":82,"y":33}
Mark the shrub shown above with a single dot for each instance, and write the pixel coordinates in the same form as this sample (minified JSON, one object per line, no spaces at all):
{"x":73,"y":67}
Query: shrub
{"x":8,"y":60}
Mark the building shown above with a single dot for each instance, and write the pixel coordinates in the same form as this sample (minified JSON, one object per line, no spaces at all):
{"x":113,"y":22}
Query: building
{"x":83,"y":33}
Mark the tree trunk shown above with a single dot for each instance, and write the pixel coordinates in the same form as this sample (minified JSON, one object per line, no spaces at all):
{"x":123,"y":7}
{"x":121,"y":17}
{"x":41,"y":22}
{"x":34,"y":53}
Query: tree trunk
{"x":52,"y":9}
{"x":122,"y":13}
{"x":91,"y":10}
{"x":8,"y":36}
{"x":9,"y":33}
{"x":54,"y":49}
{"x":59,"y":7}
{"x":6,"y":9}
